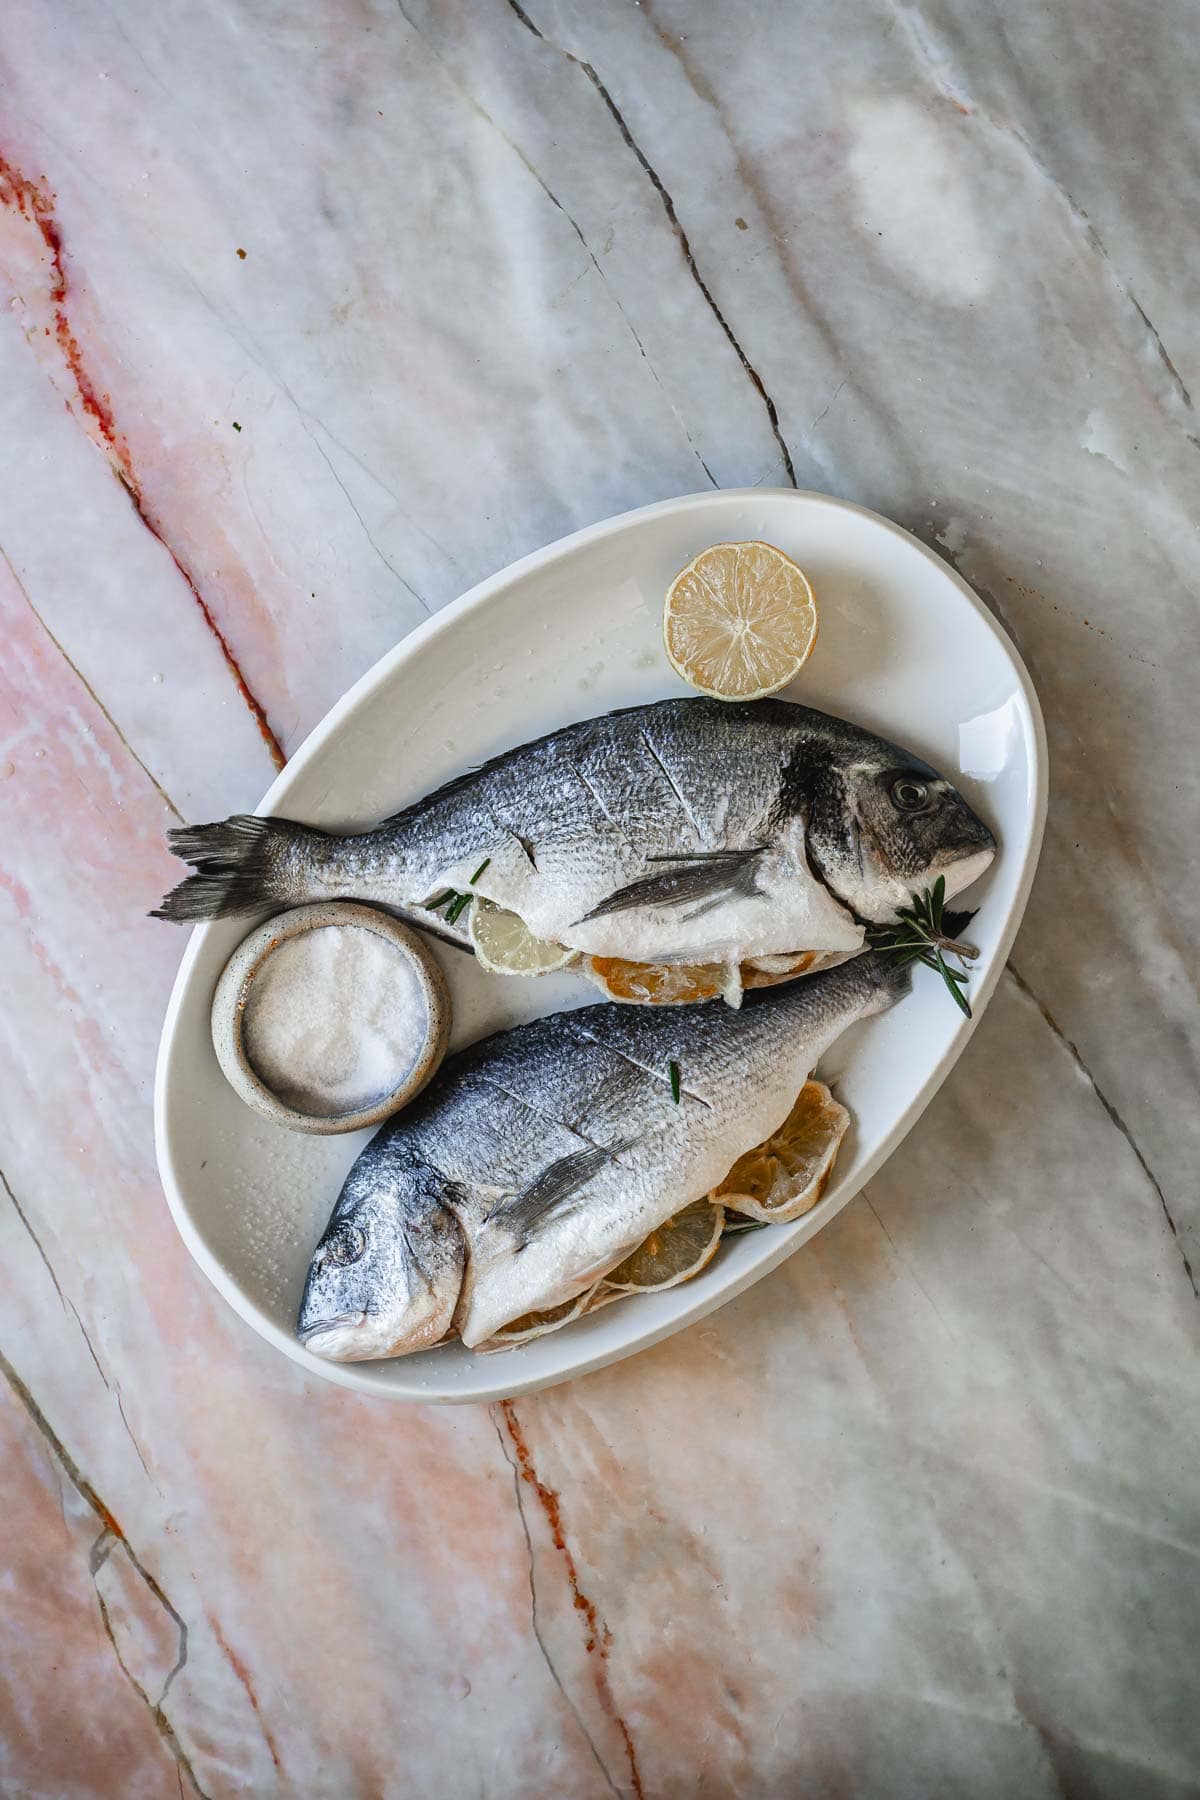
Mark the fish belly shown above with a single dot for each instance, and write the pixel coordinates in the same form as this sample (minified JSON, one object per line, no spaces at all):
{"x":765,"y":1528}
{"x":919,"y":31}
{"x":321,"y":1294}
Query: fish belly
{"x":683,"y":1153}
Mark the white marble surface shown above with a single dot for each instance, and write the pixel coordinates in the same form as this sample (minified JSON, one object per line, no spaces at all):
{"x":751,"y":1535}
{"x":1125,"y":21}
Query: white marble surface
{"x":919,"y":1514}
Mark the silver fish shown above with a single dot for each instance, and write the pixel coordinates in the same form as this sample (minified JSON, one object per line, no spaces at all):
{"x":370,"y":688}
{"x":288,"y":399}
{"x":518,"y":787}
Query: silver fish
{"x":542,"y":1156}
{"x":690,"y":831}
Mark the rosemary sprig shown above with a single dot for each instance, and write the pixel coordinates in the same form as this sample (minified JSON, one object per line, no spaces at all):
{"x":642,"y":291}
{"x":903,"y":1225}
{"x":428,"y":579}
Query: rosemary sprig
{"x":927,"y":933}
{"x":455,"y":903}
{"x":675,"y":1082}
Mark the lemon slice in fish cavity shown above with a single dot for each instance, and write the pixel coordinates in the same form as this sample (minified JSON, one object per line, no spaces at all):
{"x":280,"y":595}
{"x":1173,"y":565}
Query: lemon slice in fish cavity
{"x":684,"y":984}
{"x":740,"y":621}
{"x":536,"y":1324}
{"x":505,"y":945}
{"x":785,"y":1177}
{"x":658,"y":984}
{"x":679,"y":1249}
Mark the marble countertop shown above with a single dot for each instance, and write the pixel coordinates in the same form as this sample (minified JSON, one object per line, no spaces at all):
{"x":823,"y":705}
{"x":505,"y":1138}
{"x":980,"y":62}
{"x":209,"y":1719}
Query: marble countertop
{"x":315,"y":314}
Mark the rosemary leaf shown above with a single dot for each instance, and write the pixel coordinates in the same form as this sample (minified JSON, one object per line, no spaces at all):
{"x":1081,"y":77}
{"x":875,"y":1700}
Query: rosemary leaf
{"x":952,"y":980}
{"x":925,"y":933}
{"x":937,"y":901}
{"x":458,"y":907}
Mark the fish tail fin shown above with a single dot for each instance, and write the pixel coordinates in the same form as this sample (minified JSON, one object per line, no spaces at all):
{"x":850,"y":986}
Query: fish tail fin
{"x":241,"y":865}
{"x":888,"y":974}
{"x":869,"y":982}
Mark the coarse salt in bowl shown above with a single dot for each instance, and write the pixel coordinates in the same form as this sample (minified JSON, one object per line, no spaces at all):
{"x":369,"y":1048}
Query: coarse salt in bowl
{"x":330,"y":1018}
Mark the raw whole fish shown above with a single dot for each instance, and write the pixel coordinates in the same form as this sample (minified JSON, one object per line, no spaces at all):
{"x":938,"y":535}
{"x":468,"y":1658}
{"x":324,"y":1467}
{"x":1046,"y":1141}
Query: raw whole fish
{"x":689,"y":831}
{"x":537,"y":1159}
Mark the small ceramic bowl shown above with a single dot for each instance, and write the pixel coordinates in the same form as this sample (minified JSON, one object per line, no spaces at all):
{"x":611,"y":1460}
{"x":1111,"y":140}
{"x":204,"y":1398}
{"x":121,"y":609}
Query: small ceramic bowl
{"x":233,"y":991}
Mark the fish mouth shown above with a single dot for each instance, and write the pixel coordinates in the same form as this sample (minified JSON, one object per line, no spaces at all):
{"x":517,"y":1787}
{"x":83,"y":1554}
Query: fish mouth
{"x":961,"y":870}
{"x":336,"y":1339}
{"x":977,"y":837}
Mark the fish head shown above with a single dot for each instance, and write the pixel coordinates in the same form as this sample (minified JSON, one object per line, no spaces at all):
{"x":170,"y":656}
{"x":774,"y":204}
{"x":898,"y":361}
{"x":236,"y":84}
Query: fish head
{"x":884,"y":826}
{"x":385,"y":1278}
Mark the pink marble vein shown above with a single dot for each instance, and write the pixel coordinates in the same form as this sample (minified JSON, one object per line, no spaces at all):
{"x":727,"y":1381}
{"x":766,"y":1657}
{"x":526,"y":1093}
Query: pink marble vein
{"x":127,"y":1298}
{"x":70,"y":1720}
{"x":29,"y":211}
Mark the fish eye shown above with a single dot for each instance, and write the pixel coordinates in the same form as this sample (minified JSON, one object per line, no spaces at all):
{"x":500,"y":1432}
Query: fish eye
{"x":909,"y":794}
{"x":346,"y":1245}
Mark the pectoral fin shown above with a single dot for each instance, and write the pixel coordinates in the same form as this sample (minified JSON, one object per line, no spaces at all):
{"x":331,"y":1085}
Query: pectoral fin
{"x":554,"y":1191}
{"x":700,"y":881}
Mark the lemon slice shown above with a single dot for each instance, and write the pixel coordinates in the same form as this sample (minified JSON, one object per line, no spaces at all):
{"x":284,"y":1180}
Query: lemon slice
{"x":740,"y":621}
{"x":678,"y":1250}
{"x":656,"y":984}
{"x":785,"y":1177}
{"x":505,"y":945}
{"x":769,"y":971}
{"x":603,"y":1295}
{"x":536,"y":1324}
{"x":685,"y":984}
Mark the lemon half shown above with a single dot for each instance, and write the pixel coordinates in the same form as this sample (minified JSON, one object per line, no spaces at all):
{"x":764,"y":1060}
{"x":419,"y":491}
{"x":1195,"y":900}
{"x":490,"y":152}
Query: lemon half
{"x":740,"y":621}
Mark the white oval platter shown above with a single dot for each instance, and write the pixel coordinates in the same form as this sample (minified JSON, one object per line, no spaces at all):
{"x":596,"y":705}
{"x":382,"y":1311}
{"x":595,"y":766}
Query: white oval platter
{"x":905,"y":649}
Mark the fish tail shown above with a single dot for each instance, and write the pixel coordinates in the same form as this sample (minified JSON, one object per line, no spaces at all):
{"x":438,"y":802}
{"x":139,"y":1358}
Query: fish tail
{"x":873,"y":980}
{"x":241,"y":864}
{"x":885,"y":973}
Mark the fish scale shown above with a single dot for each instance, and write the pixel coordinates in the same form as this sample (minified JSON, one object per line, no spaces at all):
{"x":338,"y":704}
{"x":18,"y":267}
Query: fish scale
{"x":596,"y":1114}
